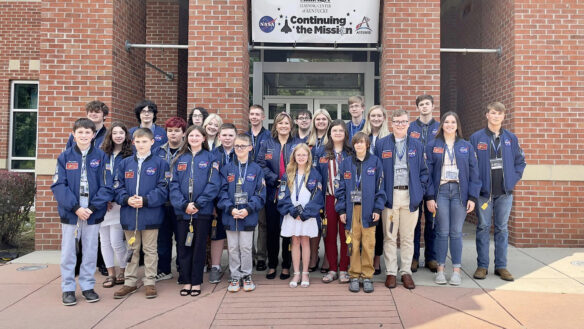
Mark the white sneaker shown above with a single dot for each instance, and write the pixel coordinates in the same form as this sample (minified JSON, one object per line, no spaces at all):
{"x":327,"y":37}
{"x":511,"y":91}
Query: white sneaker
{"x":234,"y":285}
{"x":455,"y":279}
{"x":440,"y":278}
{"x":248,"y":284}
{"x":163,"y":276}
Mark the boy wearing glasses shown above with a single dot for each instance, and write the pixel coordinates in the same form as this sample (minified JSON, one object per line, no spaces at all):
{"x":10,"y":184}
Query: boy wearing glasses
{"x":406,"y":177}
{"x":242,"y":196}
{"x":145,"y":112}
{"x":302,"y":121}
{"x":424,"y":129}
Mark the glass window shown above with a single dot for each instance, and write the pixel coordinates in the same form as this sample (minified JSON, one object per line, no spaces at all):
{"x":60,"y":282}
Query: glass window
{"x":314,"y":84}
{"x":23,"y":125}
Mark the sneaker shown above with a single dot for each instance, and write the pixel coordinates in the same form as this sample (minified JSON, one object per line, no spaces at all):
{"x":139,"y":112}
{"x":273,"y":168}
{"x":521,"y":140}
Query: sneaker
{"x":455,"y":279}
{"x":215,"y":275}
{"x":480,"y":273}
{"x":367,"y":285}
{"x":440,"y":278}
{"x":504,"y":274}
{"x":90,"y":296}
{"x":248,"y":284}
{"x":234,"y":285}
{"x":125,"y":291}
{"x":163,"y":276}
{"x":151,"y":291}
{"x":354,"y":285}
{"x":69,"y":298}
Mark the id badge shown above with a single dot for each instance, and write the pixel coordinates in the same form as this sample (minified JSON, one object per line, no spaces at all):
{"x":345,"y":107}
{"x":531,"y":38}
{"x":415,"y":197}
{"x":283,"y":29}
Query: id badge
{"x":129,"y":255}
{"x":356,"y":196}
{"x":451,"y":174}
{"x":240,"y":198}
{"x":189,"y":240}
{"x":401,"y":173}
{"x":497,"y":163}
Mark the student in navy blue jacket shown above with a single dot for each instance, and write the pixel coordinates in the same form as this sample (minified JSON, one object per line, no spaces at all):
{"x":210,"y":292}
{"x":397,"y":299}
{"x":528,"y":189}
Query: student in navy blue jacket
{"x":211,"y":126}
{"x":243,"y":195}
{"x":300,"y":200}
{"x":97,"y":112}
{"x":406,"y":178}
{"x":424,"y":129}
{"x":175,"y":128}
{"x":273,"y":157}
{"x":146,"y":112}
{"x":141,"y":190}
{"x":501,"y":165}
{"x":360,"y":200}
{"x":258,"y":135}
{"x":336,"y":150}
{"x":452,"y":191}
{"x":82,"y":189}
{"x":194,"y":186}
{"x":357,"y":110}
{"x":302,"y":129}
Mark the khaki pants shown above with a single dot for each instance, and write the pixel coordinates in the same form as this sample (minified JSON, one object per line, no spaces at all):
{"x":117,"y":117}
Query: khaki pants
{"x":148,"y":240}
{"x":404,"y":222}
{"x":361,"y":263}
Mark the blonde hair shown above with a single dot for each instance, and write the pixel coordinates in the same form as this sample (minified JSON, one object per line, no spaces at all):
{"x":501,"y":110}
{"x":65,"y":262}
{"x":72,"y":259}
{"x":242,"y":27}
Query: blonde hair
{"x":292,"y":166}
{"x":313,"y":132}
{"x":213,"y":116}
{"x":383,"y":130}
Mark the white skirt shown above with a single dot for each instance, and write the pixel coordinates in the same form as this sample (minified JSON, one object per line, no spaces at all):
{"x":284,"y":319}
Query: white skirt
{"x":293,"y":227}
{"x":113,"y":216}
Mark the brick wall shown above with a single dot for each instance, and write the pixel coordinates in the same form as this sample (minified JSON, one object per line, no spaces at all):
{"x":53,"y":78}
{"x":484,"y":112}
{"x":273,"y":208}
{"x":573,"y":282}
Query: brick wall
{"x":162,"y":28}
{"x":218,"y":63}
{"x":19,"y":26}
{"x":410,"y":62}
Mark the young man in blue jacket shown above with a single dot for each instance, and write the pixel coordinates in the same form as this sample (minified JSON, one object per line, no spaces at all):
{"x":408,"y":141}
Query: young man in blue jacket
{"x":142,"y":190}
{"x":501,"y":164}
{"x":406,"y":178}
{"x":243,"y":195}
{"x":357,"y":111}
{"x":81,"y":186}
{"x":424,"y":129}
{"x":96,"y":111}
{"x":146,"y":112}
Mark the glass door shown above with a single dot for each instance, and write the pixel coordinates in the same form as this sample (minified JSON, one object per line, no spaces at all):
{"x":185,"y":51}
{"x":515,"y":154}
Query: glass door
{"x":338,"y":108}
{"x":275,"y":105}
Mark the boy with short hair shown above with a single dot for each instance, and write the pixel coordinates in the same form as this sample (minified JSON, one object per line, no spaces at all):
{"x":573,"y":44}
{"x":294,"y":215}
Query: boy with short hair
{"x":242,"y":196}
{"x":356,"y":109}
{"x":146,"y":112}
{"x":303,"y":120}
{"x":81,"y":186}
{"x":97,"y":112}
{"x":141,"y":190}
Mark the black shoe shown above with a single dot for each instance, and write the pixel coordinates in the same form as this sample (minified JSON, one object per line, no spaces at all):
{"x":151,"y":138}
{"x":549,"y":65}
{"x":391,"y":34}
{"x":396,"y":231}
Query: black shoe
{"x":69,"y":298}
{"x":271,"y":276}
{"x":284,"y":276}
{"x":261,"y":265}
{"x":90,"y":296}
{"x":377,"y":271}
{"x":103,"y":270}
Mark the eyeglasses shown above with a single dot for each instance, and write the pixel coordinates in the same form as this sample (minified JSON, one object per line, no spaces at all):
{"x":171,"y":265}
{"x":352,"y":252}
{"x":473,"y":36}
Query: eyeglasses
{"x":400,"y":123}
{"x":240,"y":147}
{"x":147,"y":112}
{"x":197,"y":115}
{"x":303,"y":118}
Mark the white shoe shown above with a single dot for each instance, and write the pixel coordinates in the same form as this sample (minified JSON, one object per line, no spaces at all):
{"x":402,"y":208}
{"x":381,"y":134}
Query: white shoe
{"x":455,"y":279}
{"x":305,"y":284}
{"x":294,"y":282}
{"x":440,"y":278}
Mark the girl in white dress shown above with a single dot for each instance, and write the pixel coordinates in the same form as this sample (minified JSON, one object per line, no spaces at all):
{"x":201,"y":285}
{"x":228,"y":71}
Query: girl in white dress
{"x":300,"y":199}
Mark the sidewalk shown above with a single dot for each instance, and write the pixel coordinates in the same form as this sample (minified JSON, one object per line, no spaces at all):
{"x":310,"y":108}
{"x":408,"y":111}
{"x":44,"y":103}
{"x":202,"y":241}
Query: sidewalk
{"x":548,"y":292}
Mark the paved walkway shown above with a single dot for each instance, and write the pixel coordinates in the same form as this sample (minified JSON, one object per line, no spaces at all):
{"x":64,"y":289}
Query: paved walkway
{"x":548,"y":293}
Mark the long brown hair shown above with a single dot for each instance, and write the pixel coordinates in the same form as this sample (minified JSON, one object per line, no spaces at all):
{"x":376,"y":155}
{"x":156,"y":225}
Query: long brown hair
{"x":186,"y":147}
{"x":329,"y":148}
{"x":440,"y":133}
{"x":108,"y":144}
{"x":292,"y":166}
{"x":281,"y":116}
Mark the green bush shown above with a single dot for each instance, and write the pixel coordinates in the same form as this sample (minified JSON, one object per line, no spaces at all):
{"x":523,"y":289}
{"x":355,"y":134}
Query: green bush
{"x":17,"y":191}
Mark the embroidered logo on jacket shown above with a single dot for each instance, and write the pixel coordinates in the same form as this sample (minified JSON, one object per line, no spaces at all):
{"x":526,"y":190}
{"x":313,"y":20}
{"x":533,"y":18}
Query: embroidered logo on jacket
{"x":72,"y":165}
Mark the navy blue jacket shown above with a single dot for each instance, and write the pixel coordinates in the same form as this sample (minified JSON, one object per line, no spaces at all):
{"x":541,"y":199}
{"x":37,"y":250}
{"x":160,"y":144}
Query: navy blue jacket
{"x":312,"y":208}
{"x":373,"y":195}
{"x":96,"y":141}
{"x":152,"y":188}
{"x":416,"y":131}
{"x":257,"y":142}
{"x":322,"y":165}
{"x":164,"y":153}
{"x":513,"y":159}
{"x":466,"y":162}
{"x":255,"y":187}
{"x":67,"y":179}
{"x":356,"y":129}
{"x":206,"y":184}
{"x":417,"y":174}
{"x":159,"y":135}
{"x":269,"y":160}
{"x":219,"y":154}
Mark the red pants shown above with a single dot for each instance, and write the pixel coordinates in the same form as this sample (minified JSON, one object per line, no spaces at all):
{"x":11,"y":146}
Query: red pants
{"x":334,"y":226}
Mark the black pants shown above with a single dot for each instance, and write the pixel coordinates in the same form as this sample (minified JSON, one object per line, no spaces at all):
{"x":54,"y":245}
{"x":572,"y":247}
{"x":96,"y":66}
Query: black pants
{"x":191,"y":260}
{"x":379,"y":238}
{"x":165,"y":232}
{"x":273,"y":225}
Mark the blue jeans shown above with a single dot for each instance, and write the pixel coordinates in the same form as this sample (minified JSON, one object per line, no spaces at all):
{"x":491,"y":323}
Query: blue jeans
{"x":450,"y":216}
{"x":429,"y":235}
{"x":499,"y":206}
{"x":88,"y":236}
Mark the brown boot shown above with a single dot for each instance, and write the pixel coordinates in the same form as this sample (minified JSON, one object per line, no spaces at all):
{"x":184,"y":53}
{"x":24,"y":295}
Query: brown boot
{"x":415,"y":265}
{"x":390,"y":282}
{"x":150,"y":291}
{"x":125,"y":291}
{"x":408,"y":281}
{"x":432,"y":265}
{"x":504,"y":274}
{"x":480,"y":273}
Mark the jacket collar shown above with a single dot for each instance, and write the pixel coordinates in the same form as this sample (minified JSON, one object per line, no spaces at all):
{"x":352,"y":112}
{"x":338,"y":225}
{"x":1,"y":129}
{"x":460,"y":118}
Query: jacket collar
{"x":76,"y":148}
{"x":421,"y":124}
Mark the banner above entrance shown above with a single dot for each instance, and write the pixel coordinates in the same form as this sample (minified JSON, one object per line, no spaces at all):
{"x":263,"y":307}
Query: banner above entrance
{"x":315,"y":21}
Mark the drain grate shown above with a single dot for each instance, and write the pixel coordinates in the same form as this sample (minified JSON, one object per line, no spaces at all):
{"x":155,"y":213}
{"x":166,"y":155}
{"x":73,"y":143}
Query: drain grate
{"x":32,"y":268}
{"x":577,"y":262}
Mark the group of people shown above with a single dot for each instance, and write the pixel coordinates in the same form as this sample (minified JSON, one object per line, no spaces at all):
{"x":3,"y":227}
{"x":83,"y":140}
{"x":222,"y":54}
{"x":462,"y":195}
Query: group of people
{"x":355,"y":185}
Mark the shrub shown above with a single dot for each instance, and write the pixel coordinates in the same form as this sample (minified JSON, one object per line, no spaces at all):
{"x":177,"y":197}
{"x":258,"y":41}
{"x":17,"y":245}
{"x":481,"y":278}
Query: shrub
{"x":17,"y":191}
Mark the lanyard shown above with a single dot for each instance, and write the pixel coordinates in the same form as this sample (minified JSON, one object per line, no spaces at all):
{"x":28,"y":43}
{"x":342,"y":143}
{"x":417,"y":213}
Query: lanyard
{"x":424,"y":133}
{"x":191,"y":178}
{"x":241,"y":179}
{"x":496,"y":147}
{"x":401,"y":154}
{"x":319,"y":141}
{"x":227,"y":157}
{"x":450,"y":154}
{"x":358,"y":176}
{"x":112,"y":162}
{"x":296,"y":186}
{"x":170,"y":155}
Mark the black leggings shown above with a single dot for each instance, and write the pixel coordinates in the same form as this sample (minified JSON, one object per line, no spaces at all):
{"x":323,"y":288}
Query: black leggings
{"x":273,"y":225}
{"x":191,"y":259}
